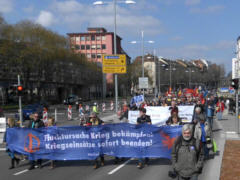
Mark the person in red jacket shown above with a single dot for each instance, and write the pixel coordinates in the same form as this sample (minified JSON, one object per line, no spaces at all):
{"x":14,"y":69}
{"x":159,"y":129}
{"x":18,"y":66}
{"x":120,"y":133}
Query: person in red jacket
{"x":219,"y":109}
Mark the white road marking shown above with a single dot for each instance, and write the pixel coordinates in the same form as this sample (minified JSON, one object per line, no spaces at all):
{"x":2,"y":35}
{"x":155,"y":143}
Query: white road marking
{"x":2,"y":149}
{"x":26,"y":170}
{"x":119,"y":167}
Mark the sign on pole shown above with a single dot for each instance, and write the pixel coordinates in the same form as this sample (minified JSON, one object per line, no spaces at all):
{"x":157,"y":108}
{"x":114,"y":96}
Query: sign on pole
{"x":114,"y":60}
{"x":143,"y":82}
{"x":235,"y":67}
{"x":115,"y":64}
{"x":115,"y":69}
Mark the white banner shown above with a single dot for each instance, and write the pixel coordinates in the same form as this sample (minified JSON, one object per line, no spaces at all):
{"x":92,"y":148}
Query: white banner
{"x":3,"y":124}
{"x":159,"y":115}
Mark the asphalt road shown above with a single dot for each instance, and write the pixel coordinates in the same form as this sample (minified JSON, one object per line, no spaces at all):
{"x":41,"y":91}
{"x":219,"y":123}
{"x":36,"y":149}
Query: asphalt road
{"x":66,"y":170}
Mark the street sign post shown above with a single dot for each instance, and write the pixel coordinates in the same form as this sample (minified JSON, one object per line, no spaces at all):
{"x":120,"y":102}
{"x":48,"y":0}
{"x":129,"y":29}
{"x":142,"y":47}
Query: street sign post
{"x":143,"y":82}
{"x":115,"y":64}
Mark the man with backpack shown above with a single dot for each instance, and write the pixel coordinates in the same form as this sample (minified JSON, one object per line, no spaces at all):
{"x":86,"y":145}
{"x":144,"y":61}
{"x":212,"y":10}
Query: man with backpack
{"x":187,"y":155}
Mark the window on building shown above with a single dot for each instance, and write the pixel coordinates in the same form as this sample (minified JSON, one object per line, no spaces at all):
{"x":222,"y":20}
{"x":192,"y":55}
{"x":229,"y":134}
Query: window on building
{"x":77,"y":47}
{"x":99,"y":56}
{"x":93,"y":38}
{"x":93,"y":56}
{"x":83,"y":38}
{"x":103,"y":38}
{"x":87,"y":47}
{"x":98,"y":46}
{"x":103,"y":46}
{"x":93,"y":46}
{"x":98,"y":38}
{"x":72,"y":38}
{"x":77,"y":39}
{"x":87,"y":38}
{"x":82,"y":47}
{"x":88,"y":55}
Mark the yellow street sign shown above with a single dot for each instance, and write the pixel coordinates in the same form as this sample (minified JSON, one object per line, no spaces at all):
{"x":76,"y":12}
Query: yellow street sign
{"x":114,"y":69}
{"x":116,"y":60}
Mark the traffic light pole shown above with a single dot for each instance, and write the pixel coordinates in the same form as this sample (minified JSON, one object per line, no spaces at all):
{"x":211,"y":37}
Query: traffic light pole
{"x":237,"y":111}
{"x":20,"y":104}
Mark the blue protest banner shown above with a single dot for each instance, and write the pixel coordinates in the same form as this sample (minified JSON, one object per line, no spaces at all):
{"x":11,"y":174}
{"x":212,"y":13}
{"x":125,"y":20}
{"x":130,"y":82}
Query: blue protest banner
{"x":79,"y":142}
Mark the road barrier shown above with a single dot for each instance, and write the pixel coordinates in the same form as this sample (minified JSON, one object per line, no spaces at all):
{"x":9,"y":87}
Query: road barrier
{"x":103,"y":107}
{"x":45,"y":116}
{"x":111,"y":106}
{"x":69,"y":112}
{"x":3,"y":124}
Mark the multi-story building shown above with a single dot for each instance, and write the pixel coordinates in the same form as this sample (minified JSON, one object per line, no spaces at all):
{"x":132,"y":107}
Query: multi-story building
{"x":94,"y":43}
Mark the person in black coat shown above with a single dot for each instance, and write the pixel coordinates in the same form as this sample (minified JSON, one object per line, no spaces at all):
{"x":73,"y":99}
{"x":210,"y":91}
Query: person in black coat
{"x":35,"y":123}
{"x":143,"y":119}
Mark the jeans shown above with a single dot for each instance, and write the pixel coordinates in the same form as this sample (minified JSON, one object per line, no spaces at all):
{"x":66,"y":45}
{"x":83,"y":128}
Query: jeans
{"x":219,"y":115}
{"x":210,"y":121}
{"x":206,"y":150}
{"x":194,"y":177}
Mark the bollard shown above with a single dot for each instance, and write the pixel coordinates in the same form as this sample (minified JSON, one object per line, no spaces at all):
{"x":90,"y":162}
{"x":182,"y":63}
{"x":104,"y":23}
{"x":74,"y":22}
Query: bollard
{"x":103,"y":107}
{"x":111,"y":106}
{"x":55,"y":115}
{"x":45,"y":116}
{"x":69,"y":112}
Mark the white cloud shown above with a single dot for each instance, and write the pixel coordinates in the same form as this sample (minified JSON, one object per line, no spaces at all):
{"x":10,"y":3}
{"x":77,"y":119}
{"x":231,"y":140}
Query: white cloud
{"x":130,"y":19}
{"x":6,"y":6}
{"x":192,"y":2}
{"x":209,"y":9}
{"x":45,"y":18}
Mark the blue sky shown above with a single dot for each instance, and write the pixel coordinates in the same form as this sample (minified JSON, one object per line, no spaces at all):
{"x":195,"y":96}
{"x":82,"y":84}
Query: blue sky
{"x":187,"y":29}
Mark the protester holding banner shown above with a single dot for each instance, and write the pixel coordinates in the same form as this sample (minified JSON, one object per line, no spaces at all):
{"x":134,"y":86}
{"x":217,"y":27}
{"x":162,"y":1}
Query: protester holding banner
{"x":35,"y":123}
{"x":174,"y":120}
{"x":51,"y":122}
{"x":11,"y":124}
{"x":95,"y":121}
{"x":143,"y":119}
{"x":187,"y":155}
{"x":203,"y":133}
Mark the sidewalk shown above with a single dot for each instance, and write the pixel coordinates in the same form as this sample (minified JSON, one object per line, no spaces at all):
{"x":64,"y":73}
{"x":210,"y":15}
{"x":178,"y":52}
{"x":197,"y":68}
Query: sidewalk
{"x":222,"y":130}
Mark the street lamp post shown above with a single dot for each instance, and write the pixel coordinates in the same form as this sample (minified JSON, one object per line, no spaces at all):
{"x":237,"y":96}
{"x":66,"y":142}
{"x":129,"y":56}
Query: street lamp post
{"x":115,"y":39}
{"x":134,"y":42}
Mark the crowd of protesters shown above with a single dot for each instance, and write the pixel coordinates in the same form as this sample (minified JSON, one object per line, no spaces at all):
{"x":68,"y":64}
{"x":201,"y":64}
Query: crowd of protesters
{"x":193,"y":145}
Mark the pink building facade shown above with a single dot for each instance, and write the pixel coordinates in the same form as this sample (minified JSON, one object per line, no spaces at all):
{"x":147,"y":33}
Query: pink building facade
{"x":94,"y":43}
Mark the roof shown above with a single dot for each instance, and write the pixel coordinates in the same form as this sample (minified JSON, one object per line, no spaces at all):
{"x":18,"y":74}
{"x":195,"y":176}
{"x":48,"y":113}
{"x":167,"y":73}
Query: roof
{"x":90,"y":33}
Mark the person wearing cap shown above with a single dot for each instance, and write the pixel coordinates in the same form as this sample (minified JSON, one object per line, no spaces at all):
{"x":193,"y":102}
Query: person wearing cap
{"x":203,"y":133}
{"x":143,"y":119}
{"x":95,"y":121}
{"x":187,"y":155}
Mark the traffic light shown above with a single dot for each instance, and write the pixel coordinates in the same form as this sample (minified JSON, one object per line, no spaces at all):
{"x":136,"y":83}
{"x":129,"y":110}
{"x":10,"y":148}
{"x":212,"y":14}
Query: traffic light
{"x":234,"y":83}
{"x":19,"y":90}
